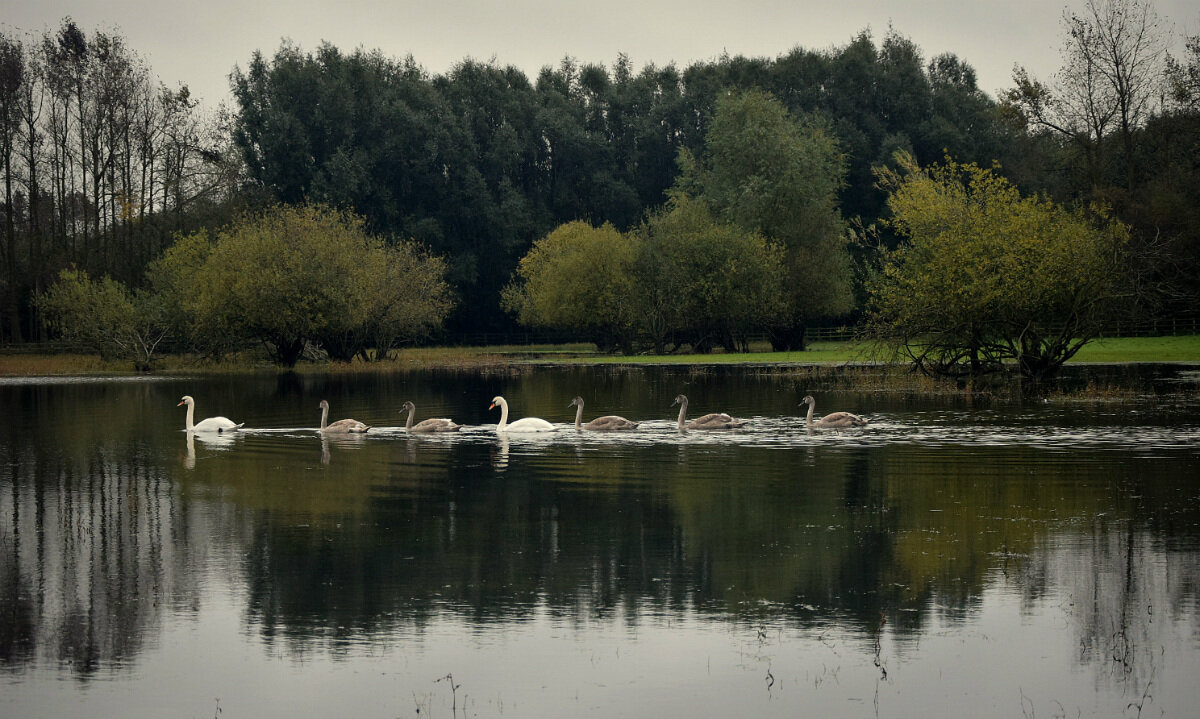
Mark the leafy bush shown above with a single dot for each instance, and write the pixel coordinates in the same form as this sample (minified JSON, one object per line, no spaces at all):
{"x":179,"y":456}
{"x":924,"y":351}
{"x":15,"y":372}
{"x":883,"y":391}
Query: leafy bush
{"x":104,"y":316}
{"x":292,"y":277}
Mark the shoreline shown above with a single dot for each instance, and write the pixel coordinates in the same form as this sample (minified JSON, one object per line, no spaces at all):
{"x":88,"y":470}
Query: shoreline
{"x":1174,"y":350}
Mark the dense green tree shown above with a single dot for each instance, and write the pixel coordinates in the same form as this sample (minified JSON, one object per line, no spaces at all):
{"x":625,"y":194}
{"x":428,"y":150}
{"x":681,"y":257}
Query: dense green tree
{"x":408,"y":300}
{"x":375,"y":136}
{"x":779,"y":176}
{"x":480,"y":162}
{"x":175,"y":278}
{"x":579,"y":277}
{"x":986,"y":276}
{"x":682,"y":275}
{"x":292,"y":277}
{"x":703,"y":281}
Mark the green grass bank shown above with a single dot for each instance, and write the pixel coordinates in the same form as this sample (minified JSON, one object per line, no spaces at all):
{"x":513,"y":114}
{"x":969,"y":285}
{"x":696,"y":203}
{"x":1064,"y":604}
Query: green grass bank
{"x":1185,"y":348}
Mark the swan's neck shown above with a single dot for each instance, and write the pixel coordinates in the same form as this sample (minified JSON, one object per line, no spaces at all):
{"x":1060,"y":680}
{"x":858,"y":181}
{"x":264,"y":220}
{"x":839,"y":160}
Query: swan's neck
{"x":408,"y":424}
{"x":503,"y":417}
{"x":190,"y":423}
{"x":808,"y":417}
{"x":324,"y":415}
{"x":578,"y":416}
{"x":682,"y":413}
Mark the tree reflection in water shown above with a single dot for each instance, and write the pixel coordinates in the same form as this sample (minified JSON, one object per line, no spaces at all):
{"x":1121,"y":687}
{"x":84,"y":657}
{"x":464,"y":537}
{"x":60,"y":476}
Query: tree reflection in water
{"x":110,"y":534}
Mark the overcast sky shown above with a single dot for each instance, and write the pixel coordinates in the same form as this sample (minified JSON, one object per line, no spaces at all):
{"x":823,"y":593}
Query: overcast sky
{"x":198,"y":42}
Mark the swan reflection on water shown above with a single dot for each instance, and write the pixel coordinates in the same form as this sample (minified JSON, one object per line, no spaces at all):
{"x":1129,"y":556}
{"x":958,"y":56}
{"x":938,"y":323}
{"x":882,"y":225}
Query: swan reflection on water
{"x":500,"y":454}
{"x":210,"y":440}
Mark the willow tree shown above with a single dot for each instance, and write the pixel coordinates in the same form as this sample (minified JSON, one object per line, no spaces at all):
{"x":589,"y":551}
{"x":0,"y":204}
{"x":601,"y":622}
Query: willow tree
{"x":104,"y":316}
{"x":985,"y":276}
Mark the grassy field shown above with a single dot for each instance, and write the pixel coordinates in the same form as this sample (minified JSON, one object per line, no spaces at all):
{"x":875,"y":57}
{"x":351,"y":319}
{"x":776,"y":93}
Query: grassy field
{"x":1185,"y":348}
{"x":1115,"y":350}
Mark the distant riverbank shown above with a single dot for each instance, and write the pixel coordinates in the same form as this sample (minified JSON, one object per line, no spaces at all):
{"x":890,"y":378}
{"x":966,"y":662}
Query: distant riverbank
{"x":1184,"y":348}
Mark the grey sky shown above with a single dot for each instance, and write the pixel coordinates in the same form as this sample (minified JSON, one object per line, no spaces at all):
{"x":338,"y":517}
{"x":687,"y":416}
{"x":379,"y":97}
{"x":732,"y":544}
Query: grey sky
{"x":198,"y":42}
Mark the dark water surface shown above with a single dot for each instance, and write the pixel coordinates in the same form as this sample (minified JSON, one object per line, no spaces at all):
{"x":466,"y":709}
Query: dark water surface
{"x":954,"y":558}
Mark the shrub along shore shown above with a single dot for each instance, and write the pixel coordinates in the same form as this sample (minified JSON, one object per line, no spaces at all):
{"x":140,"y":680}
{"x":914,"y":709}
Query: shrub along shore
{"x":1116,"y":350}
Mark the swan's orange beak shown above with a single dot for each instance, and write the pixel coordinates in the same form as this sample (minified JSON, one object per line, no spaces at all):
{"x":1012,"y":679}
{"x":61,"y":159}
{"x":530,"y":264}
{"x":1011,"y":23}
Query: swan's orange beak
{"x":492,"y":405}
{"x":179,"y":404}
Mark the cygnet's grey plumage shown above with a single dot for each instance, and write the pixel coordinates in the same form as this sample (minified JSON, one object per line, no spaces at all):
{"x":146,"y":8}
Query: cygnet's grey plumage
{"x":714,"y":420}
{"x":342,"y":426}
{"x":606,"y":423}
{"x":433,"y":424}
{"x":833,"y":420}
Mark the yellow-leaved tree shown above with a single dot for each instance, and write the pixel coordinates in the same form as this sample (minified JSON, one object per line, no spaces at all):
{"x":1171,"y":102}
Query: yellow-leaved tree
{"x":985,"y":276}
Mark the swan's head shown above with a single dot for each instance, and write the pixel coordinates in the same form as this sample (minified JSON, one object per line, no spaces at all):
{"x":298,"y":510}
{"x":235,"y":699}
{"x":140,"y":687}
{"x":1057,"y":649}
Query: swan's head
{"x":577,"y":402}
{"x":497,"y":401}
{"x":808,"y":399}
{"x":679,"y":399}
{"x":408,"y":407}
{"x":186,"y":399}
{"x":323,"y":404}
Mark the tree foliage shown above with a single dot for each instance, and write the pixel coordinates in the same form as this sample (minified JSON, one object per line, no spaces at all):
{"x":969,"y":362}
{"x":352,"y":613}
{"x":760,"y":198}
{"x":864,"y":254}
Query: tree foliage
{"x":481,"y":162}
{"x":769,"y":173}
{"x":291,"y":277}
{"x":704,"y":281}
{"x":104,"y":316}
{"x":682,"y":274}
{"x":986,"y":276}
{"x":102,"y":164}
{"x":579,"y":277}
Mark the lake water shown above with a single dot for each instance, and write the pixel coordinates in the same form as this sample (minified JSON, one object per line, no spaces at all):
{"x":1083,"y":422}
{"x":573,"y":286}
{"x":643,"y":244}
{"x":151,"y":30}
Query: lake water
{"x":990,"y":558}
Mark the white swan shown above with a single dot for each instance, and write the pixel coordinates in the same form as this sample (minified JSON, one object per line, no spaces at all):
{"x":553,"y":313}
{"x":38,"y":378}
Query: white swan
{"x":433,"y":424}
{"x":342,"y":426}
{"x":605,"y":423}
{"x":212,"y":424}
{"x":525,"y":424}
{"x":834,"y":420}
{"x":716,"y":420}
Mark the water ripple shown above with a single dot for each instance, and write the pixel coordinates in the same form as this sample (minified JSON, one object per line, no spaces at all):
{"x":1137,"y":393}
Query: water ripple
{"x":785,"y":432}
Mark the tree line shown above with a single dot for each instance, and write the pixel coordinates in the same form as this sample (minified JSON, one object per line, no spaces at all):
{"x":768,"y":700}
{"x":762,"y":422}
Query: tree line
{"x":101,"y":164}
{"x":479,"y":164}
